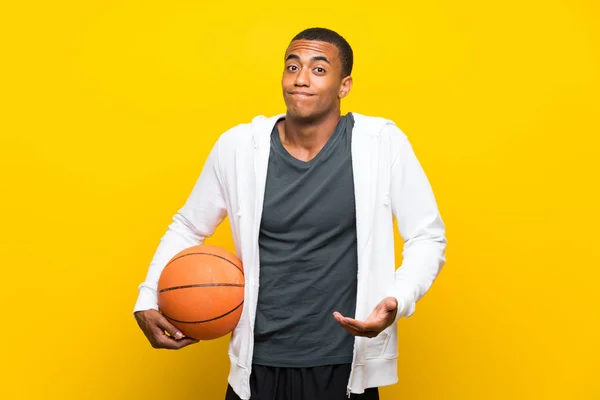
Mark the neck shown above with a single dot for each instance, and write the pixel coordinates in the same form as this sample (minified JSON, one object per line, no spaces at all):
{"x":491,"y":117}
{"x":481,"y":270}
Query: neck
{"x":308,"y":135}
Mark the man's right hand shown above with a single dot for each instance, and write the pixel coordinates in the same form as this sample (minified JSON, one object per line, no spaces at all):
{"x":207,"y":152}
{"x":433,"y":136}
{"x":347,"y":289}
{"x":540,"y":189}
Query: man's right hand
{"x":154,"y":325}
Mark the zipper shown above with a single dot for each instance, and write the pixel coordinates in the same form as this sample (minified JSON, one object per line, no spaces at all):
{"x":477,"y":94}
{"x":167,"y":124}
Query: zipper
{"x":361,"y":271}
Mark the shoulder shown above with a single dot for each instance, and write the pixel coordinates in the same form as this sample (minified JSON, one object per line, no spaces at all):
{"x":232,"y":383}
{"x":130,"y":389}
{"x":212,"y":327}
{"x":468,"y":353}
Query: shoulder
{"x":235,"y":136}
{"x":386,"y":128}
{"x":244,"y":134}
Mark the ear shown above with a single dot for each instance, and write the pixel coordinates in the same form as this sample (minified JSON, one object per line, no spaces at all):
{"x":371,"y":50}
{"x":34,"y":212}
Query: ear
{"x":345,"y":87}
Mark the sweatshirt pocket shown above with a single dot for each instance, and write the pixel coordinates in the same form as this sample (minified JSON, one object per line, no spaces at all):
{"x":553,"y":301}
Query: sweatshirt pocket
{"x":376,"y":346}
{"x":387,"y":200}
{"x":237,"y":342}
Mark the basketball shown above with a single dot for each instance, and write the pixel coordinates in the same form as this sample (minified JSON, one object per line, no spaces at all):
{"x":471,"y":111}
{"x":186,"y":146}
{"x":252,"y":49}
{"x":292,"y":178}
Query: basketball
{"x":201,"y":292}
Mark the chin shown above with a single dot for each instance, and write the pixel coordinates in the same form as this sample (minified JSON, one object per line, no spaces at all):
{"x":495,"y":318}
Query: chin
{"x":304,"y":115}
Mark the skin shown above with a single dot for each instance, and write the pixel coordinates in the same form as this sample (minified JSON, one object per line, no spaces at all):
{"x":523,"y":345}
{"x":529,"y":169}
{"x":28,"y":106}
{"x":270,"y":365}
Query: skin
{"x":314,"y":68}
{"x":313,"y":86}
{"x":155,"y":326}
{"x":382,"y":317}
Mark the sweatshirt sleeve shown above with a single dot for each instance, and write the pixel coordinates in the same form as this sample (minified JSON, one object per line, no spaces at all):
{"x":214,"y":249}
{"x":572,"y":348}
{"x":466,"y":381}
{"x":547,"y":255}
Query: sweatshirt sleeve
{"x":419,"y":223}
{"x":203,"y":211}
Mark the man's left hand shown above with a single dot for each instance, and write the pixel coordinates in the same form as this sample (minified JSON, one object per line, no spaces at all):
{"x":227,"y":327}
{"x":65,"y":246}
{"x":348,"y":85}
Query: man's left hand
{"x":382,"y":317}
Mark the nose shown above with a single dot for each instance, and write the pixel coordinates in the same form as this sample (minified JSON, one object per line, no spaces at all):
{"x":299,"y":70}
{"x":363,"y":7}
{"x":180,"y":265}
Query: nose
{"x":302,"y":78}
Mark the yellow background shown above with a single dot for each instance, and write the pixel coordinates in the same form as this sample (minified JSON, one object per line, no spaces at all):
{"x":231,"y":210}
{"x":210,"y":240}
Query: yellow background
{"x":109,"y":109}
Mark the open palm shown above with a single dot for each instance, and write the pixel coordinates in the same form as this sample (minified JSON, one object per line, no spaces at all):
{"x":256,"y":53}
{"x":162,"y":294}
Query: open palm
{"x":382,"y":316}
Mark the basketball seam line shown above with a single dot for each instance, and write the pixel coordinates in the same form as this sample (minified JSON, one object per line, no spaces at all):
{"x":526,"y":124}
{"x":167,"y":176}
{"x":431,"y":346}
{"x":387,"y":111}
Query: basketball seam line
{"x":206,"y":320}
{"x":200,"y":285}
{"x":208,"y":254}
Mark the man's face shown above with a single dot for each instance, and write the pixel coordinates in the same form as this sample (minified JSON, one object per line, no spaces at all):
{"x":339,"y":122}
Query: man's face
{"x":312,"y":80}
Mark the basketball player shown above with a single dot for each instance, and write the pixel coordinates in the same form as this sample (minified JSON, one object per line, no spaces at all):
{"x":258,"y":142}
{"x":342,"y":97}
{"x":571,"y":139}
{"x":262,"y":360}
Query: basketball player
{"x":311,"y":197}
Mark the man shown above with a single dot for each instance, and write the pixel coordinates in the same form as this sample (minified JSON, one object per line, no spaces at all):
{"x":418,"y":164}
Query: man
{"x":311,"y":196}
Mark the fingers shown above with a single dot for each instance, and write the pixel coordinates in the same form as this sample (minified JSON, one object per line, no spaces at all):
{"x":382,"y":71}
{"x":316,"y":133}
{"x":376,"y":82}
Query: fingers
{"x":186,"y":342}
{"x":165,"y":325}
{"x":166,"y":342}
{"x":160,"y":332}
{"x":169,"y":337}
{"x":357,"y":328}
{"x":356,"y":332}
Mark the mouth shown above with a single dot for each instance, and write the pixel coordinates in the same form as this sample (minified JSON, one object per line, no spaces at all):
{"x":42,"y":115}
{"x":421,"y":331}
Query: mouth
{"x":301,"y":94}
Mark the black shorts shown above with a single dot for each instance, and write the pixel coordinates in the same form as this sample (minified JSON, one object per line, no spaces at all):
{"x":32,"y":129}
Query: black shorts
{"x":316,"y":383}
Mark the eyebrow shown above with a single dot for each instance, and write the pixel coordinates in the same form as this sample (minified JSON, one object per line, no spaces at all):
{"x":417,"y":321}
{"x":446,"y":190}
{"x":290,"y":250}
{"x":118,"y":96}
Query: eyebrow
{"x":315,"y":58}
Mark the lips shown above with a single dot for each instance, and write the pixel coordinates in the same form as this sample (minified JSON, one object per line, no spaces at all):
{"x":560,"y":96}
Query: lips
{"x":305,"y":94}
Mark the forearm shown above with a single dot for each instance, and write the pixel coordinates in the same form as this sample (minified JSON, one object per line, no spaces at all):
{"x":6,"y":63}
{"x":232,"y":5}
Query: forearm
{"x":203,"y":211}
{"x":179,"y":236}
{"x":423,"y":259}
{"x":419,"y":224}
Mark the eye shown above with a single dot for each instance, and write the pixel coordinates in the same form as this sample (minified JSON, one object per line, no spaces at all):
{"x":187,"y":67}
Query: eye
{"x":320,"y":70}
{"x":292,"y":68}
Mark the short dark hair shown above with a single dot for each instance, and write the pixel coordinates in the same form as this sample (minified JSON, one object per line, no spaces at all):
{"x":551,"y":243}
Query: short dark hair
{"x":329,"y":36}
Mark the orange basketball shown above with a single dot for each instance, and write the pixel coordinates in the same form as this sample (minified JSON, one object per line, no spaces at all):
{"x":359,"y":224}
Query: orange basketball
{"x":201,"y":292}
